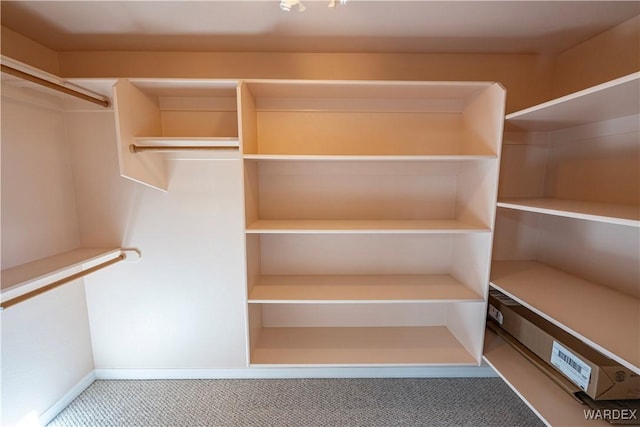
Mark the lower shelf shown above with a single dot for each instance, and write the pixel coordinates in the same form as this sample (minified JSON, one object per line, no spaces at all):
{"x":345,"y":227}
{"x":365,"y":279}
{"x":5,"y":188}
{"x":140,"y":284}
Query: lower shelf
{"x":594,"y":312}
{"x":362,"y":346}
{"x":553,"y":405}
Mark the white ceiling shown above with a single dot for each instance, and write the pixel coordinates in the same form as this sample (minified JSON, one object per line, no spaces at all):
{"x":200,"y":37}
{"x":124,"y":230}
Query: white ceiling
{"x":360,"y":26}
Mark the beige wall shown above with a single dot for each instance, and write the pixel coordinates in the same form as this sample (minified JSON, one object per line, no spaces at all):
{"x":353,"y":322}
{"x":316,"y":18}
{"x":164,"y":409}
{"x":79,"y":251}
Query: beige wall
{"x":18,"y":47}
{"x":529,"y":78}
{"x":526,"y":77}
{"x":612,"y":54}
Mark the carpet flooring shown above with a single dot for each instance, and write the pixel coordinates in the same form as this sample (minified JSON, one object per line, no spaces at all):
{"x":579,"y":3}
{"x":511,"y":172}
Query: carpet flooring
{"x":474,"y":402}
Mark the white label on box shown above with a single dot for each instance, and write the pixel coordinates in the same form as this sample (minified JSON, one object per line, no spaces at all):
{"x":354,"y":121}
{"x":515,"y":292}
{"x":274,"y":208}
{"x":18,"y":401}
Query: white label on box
{"x":570,"y":365}
{"x":495,"y":314}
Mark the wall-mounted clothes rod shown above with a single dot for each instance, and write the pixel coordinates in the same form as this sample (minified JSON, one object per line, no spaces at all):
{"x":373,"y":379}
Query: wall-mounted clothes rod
{"x":52,"y":85}
{"x":36,"y":292}
{"x":140,"y":148}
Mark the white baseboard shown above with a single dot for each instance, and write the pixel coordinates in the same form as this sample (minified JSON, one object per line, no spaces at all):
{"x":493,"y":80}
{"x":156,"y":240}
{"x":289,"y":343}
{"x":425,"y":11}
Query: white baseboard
{"x":312,"y":372}
{"x":68,"y":397}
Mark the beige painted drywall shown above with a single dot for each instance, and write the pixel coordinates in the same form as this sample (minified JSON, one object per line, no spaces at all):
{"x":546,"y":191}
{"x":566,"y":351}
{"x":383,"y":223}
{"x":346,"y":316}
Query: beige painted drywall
{"x":38,"y":209}
{"x":612,"y":54}
{"x":19,"y":47}
{"x":46,"y":344}
{"x":526,"y":77}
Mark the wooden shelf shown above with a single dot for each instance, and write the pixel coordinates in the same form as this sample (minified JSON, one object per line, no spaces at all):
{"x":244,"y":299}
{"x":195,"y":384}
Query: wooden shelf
{"x":363,"y":226}
{"x":552,"y":404}
{"x":628,"y":215}
{"x":600,"y":316}
{"x":373,"y":158}
{"x":367,"y":346}
{"x":27,"y":277}
{"x":359,"y":288}
{"x":617,"y":98}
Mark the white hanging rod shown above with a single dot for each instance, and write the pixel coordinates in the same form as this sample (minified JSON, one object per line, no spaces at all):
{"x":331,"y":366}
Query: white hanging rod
{"x":57,"y":283}
{"x":52,"y":85}
{"x":140,"y":148}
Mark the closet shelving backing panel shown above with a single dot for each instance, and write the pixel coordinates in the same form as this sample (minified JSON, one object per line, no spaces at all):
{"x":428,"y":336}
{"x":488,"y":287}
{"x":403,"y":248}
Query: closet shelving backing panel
{"x":567,"y":238}
{"x":369,"y":216}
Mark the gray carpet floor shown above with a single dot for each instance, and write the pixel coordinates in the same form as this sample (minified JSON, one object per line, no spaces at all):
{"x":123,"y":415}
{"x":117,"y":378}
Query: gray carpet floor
{"x":473,"y":402}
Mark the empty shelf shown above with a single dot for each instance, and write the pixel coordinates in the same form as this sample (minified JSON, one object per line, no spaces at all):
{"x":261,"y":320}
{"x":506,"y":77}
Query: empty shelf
{"x":628,"y":215}
{"x":602,"y":317}
{"x":408,"y":157}
{"x":365,"y":346}
{"x":359,"y":288}
{"x":617,"y":98}
{"x":363,"y":226}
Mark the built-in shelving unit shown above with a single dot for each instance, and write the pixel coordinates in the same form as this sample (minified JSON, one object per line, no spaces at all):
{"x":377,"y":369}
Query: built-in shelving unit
{"x":369,"y":216}
{"x":567,"y":238}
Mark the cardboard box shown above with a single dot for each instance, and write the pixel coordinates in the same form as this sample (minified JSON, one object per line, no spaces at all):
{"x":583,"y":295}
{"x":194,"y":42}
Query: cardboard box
{"x":595,"y":374}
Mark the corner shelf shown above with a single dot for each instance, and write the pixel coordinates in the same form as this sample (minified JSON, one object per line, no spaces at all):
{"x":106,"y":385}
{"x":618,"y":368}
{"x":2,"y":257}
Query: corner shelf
{"x":592,"y":312}
{"x":613,"y":99}
{"x":566,"y":236}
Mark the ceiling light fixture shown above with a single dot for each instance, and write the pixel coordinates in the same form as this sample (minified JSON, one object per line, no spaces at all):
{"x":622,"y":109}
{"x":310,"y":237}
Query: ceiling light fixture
{"x":287,"y":5}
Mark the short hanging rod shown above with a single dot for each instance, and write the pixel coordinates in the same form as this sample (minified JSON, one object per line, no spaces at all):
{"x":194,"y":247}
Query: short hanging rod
{"x":54,"y":86}
{"x":36,"y":292}
{"x":140,"y":148}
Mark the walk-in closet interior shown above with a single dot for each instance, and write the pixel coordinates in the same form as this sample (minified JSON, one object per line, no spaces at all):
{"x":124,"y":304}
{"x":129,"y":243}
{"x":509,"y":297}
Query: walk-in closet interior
{"x":224,"y":189}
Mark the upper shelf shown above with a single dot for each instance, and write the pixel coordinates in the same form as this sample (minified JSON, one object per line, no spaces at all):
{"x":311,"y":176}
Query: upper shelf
{"x":374,"y":158}
{"x":357,"y":119}
{"x":606,"y":319}
{"x":372,"y":96}
{"x":616,"y":98}
{"x":610,"y":213}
